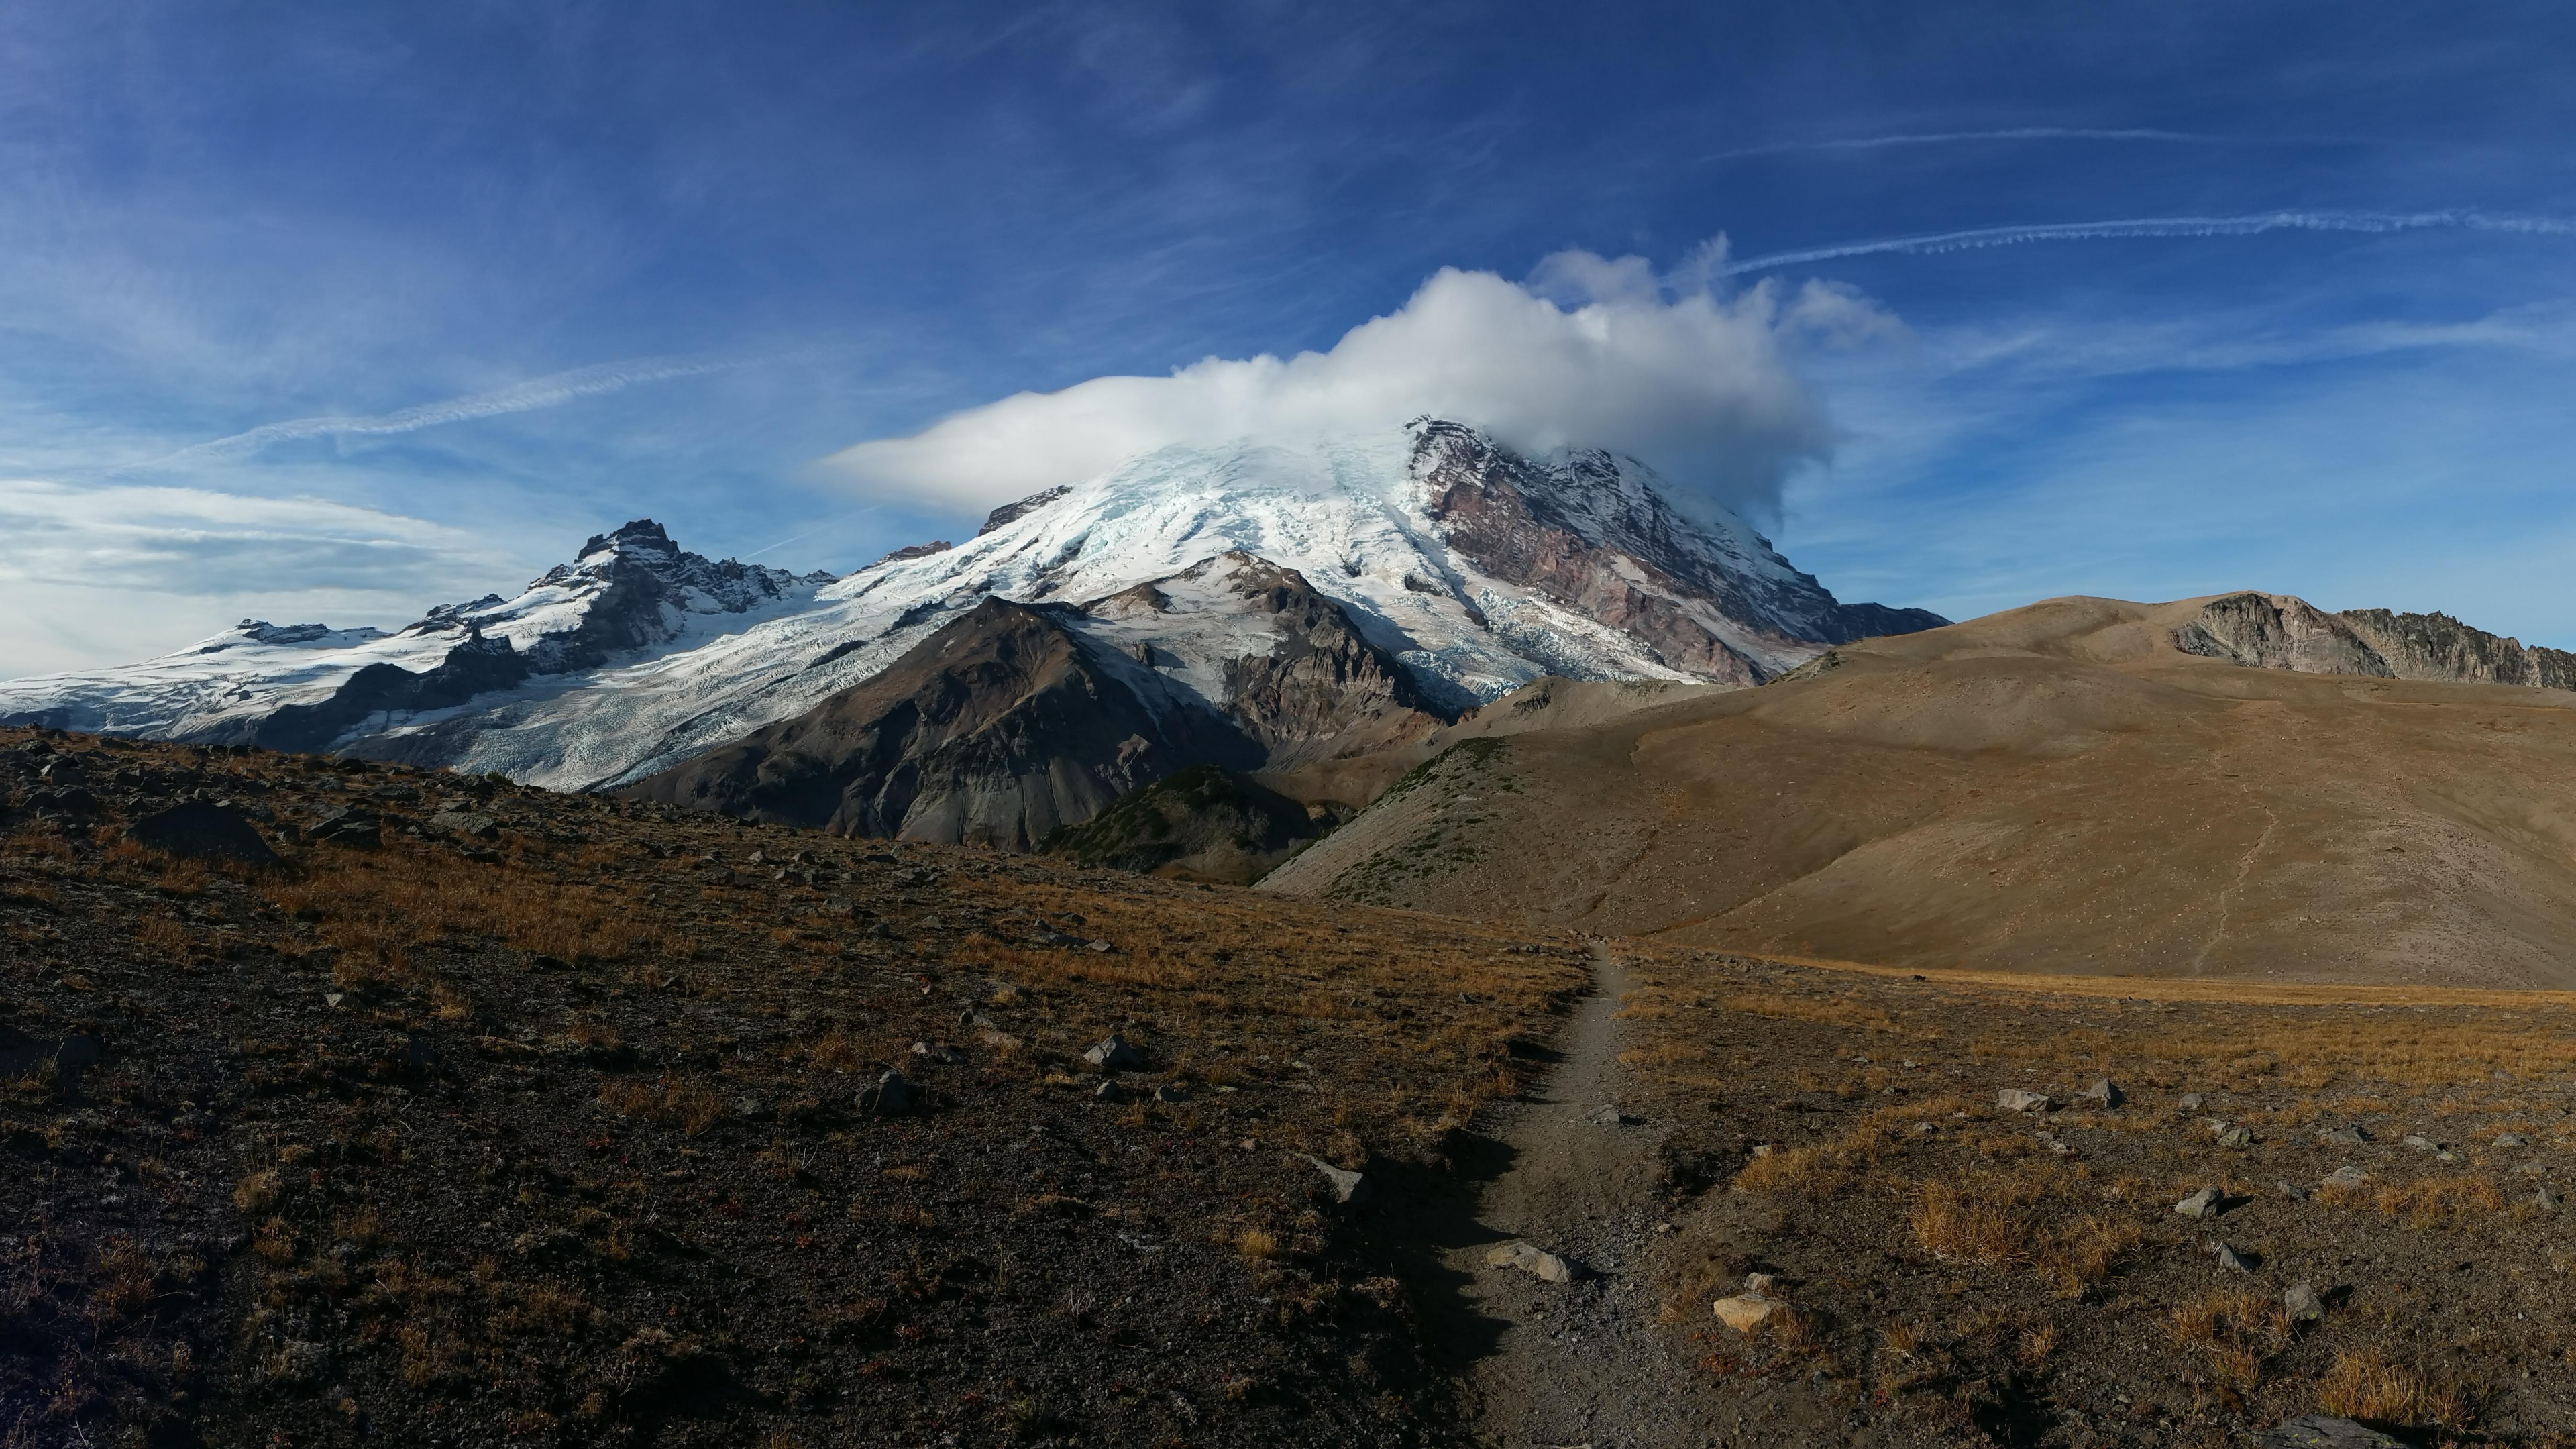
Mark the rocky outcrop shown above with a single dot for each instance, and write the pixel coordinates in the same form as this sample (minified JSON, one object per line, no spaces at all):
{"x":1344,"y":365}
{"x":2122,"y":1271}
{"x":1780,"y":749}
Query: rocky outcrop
{"x":1587,"y":531}
{"x":1290,"y":667}
{"x":2278,"y":631}
{"x":1000,"y":728}
{"x":477,"y":665}
{"x":1010,"y":513}
{"x":2437,"y":646}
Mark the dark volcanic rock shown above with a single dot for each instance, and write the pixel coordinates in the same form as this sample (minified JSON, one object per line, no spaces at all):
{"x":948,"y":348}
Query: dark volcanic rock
{"x":199,"y":830}
{"x":998,"y":729}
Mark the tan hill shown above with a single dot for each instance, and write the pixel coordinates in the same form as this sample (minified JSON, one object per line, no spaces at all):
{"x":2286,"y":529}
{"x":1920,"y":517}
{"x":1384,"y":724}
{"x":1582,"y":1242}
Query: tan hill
{"x":2058,"y":788}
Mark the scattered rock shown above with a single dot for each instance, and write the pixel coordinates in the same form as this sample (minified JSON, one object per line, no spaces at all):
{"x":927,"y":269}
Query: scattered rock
{"x":2547,"y":1200}
{"x":346,"y":827}
{"x":466,"y":824}
{"x":1170,"y":1093}
{"x":1348,"y":1186}
{"x":1924,"y":1129}
{"x":1536,"y":1260}
{"x":2302,"y":1304}
{"x":2236,"y":1138}
{"x":2191,"y":1102}
{"x":2344,"y":1137}
{"x":2294,"y":1194}
{"x":2015,"y":1100}
{"x":1115,"y":1055}
{"x":2105,"y":1093}
{"x":1606,"y":1116}
{"x":1745,"y":1311}
{"x":2420,"y":1144}
{"x":946,"y":1056}
{"x":2318,"y":1431}
{"x":2513,"y":1139}
{"x":1760,"y":1283}
{"x":2228,"y":1261}
{"x":2345,"y":1176}
{"x":1763,"y":1149}
{"x":1109,"y":1092}
{"x":198,"y":831}
{"x":890,"y":1096}
{"x":752,"y":1109}
{"x":2205,"y":1203}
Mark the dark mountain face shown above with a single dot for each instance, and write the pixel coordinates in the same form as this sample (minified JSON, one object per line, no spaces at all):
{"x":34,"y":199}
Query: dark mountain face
{"x":1582,"y":530}
{"x":998,"y":729}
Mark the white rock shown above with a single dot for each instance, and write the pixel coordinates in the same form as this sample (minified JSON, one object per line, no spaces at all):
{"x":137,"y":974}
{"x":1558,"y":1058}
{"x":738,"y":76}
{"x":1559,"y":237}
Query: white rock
{"x":1532,"y":1259}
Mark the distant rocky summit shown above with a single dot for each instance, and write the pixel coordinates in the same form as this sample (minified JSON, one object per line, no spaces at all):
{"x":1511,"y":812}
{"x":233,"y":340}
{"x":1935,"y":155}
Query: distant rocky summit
{"x":2277,"y":631}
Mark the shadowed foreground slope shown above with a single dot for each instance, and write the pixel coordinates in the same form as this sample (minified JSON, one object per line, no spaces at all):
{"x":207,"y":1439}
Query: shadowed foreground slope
{"x":2056,"y":788}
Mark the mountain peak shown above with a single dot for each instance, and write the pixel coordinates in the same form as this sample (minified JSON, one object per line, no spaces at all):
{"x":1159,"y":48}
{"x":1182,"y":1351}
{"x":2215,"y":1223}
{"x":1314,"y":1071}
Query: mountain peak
{"x":641,"y":535}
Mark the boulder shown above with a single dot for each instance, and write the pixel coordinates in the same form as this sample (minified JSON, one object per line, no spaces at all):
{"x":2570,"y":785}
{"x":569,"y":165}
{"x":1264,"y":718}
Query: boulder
{"x":2105,"y":1094}
{"x":2236,"y":1139}
{"x":2228,"y":1260}
{"x":466,"y":825}
{"x":2206,"y":1203}
{"x":2344,"y":1137}
{"x":2190,"y":1102}
{"x":2420,"y":1144}
{"x":2513,"y":1139}
{"x":1605,"y":1116}
{"x":1115,"y":1055}
{"x":889,"y":1096}
{"x":2014,"y":1100}
{"x":1347,"y":1186}
{"x":1532,"y":1259}
{"x":2302,"y":1304}
{"x":199,"y":831}
{"x":2346,"y":1176}
{"x":1745,"y":1311}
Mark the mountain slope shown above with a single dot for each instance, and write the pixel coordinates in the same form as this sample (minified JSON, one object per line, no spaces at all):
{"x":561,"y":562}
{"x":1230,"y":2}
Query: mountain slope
{"x":1435,"y":571}
{"x":2057,"y":788}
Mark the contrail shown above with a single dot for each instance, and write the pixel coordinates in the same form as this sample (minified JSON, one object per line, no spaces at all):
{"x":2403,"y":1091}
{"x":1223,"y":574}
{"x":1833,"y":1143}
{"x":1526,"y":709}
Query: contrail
{"x":2163,"y":226}
{"x":2017,"y":133}
{"x":817,"y":528}
{"x":542,"y":392}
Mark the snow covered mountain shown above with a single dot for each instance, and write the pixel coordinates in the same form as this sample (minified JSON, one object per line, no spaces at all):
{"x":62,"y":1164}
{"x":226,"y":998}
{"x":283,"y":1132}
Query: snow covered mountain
{"x":1246,"y":582}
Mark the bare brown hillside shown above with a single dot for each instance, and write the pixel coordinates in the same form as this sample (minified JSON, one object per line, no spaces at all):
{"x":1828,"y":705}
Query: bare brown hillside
{"x":2057,"y":788}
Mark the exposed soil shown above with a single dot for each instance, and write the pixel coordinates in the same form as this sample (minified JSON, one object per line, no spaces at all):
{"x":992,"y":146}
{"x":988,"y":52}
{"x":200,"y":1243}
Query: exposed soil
{"x":540,"y":1119}
{"x":2053,"y":789}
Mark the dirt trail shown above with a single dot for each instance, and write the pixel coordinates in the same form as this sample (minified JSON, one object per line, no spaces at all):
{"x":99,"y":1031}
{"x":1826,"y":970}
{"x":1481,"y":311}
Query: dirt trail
{"x":1579,"y":1362}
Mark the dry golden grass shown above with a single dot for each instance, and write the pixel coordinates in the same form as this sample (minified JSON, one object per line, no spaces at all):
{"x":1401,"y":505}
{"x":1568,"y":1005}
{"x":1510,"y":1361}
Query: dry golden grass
{"x":685,"y":1103}
{"x":2432,"y":1202}
{"x":2367,"y":1384}
{"x":374,"y":904}
{"x":1256,"y":1244}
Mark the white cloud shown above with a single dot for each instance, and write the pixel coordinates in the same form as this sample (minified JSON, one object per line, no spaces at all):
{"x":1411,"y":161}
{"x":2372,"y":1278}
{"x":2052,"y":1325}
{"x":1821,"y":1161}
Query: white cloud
{"x":101,"y":574}
{"x":1592,"y":352}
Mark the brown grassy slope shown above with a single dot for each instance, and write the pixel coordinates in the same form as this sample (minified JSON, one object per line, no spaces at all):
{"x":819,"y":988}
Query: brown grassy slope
{"x":556,"y":1137}
{"x":1970,"y":1270}
{"x":2051,"y":789}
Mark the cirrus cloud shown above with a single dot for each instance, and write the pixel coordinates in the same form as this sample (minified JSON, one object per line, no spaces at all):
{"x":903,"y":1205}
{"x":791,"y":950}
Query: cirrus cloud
{"x":1590,"y":352}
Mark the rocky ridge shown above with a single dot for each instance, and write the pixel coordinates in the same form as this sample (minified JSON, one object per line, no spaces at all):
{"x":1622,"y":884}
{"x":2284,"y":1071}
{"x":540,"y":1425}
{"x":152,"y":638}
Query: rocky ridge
{"x":2279,"y":631}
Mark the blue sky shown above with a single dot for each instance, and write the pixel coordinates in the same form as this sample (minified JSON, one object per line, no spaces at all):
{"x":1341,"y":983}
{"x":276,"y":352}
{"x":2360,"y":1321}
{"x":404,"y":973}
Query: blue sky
{"x":553,"y":266}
